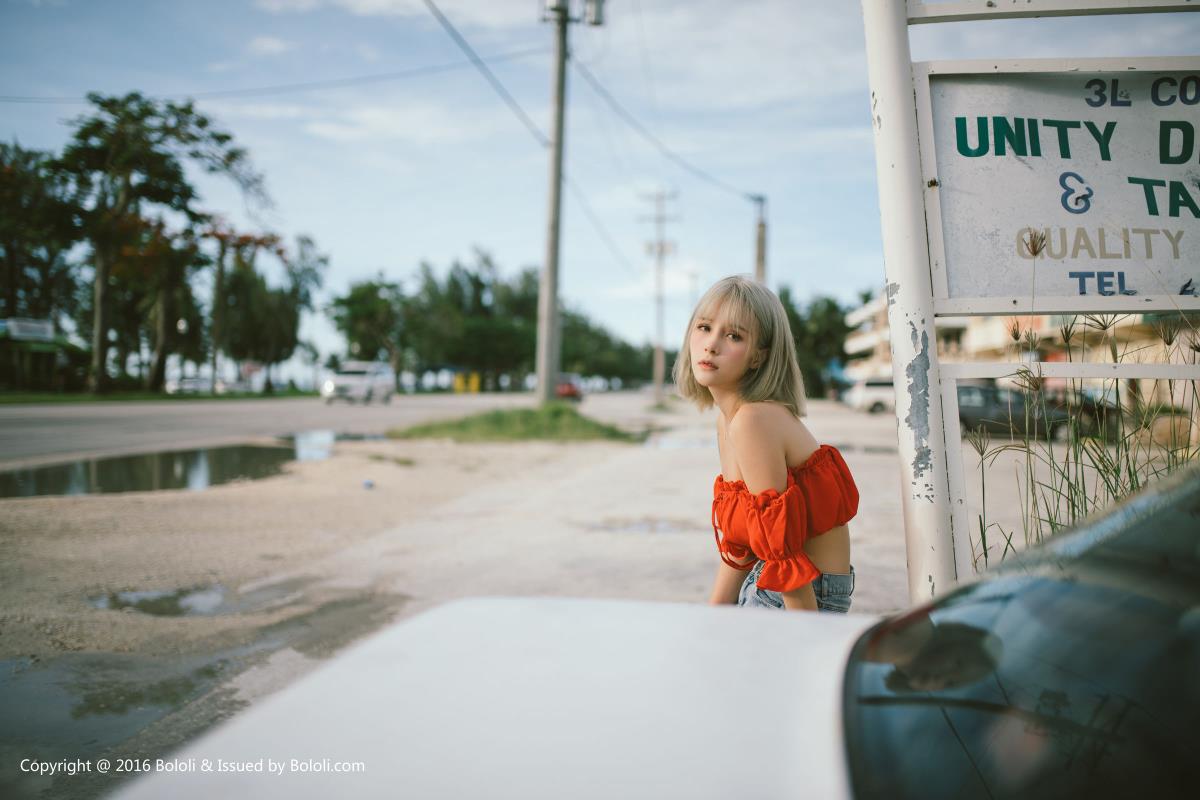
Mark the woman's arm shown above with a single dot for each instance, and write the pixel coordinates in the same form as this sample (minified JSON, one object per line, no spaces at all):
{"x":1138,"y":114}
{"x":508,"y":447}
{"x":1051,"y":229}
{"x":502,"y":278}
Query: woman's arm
{"x":763,"y":462}
{"x":802,"y":599}
{"x":728,"y":584}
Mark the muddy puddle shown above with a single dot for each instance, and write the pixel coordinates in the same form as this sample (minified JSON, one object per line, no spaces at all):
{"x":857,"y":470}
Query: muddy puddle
{"x":79,"y":705}
{"x":207,"y":600}
{"x":85,"y":705}
{"x":195,"y":469}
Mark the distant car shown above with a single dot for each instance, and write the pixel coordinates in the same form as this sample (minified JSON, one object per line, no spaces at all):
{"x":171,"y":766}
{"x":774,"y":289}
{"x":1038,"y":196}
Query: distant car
{"x":190,"y":386}
{"x":998,"y":409}
{"x":360,"y":381}
{"x":1096,"y":411}
{"x":569,"y":387}
{"x":1070,"y":671}
{"x":873,"y":395}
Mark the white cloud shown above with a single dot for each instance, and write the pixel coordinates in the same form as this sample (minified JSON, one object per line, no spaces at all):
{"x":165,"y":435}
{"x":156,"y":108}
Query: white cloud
{"x":284,"y":6}
{"x":368,"y":53}
{"x":682,"y":276}
{"x":258,"y":110}
{"x":268,"y":46}
{"x":478,"y":13}
{"x":418,"y":124}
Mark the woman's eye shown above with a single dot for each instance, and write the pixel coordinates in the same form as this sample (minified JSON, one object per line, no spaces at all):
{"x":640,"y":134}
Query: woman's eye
{"x":735,"y":337}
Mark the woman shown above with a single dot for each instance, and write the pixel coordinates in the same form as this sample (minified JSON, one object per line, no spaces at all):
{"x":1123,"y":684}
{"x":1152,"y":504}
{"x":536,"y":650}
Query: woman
{"x":781,"y":502}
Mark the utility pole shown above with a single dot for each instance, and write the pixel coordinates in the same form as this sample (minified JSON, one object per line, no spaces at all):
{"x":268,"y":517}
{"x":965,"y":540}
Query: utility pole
{"x":549,"y":345}
{"x":760,"y":240}
{"x":660,"y":248}
{"x":693,"y":288}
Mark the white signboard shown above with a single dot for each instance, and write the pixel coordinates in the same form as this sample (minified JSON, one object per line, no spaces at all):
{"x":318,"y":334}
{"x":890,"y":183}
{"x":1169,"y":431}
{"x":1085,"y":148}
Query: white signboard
{"x":1062,"y":190}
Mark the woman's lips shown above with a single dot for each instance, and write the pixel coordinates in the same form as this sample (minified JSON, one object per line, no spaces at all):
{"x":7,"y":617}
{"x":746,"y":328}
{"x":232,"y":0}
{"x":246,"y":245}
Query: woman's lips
{"x":706,"y":365}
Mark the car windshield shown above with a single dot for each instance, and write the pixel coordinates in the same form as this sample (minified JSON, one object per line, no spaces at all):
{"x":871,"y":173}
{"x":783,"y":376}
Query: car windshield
{"x":1072,"y":673}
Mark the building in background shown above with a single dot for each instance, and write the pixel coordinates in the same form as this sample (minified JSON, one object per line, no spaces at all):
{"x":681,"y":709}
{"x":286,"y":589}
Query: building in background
{"x":868,"y":347}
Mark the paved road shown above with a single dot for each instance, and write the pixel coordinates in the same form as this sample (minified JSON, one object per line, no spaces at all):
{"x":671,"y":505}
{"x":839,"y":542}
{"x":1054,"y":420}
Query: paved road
{"x":35,"y":434}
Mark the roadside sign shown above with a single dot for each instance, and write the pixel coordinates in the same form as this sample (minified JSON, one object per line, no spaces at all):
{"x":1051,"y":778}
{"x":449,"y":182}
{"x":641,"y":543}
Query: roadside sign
{"x":1019,"y":187}
{"x":1059,"y":187}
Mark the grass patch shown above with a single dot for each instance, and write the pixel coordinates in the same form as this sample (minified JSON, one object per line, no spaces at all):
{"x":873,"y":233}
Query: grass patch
{"x":12,"y":398}
{"x":553,"y":422}
{"x":399,"y":461}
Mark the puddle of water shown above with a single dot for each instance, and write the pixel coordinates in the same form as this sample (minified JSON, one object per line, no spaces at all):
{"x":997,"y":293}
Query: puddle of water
{"x":203,"y":600}
{"x":180,"y":603}
{"x":80,"y":705}
{"x":643,"y":525}
{"x":176,"y":469}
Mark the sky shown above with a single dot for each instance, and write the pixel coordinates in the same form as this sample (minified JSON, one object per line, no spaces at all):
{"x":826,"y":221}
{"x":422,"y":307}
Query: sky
{"x":767,"y":96}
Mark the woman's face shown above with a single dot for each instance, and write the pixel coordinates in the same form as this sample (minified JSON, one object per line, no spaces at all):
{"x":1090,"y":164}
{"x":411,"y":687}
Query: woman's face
{"x":721,"y":352}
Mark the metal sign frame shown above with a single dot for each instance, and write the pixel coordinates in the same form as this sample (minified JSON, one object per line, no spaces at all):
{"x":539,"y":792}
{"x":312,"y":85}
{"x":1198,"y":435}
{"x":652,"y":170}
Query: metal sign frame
{"x":944,"y":305}
{"x":920,"y":13}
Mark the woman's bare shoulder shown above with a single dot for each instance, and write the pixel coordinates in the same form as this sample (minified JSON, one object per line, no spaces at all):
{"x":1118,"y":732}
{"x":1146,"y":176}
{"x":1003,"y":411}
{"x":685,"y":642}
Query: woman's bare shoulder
{"x":761,"y":422}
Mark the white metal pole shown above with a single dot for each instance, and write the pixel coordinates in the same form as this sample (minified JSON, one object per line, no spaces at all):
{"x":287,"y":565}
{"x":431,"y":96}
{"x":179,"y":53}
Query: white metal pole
{"x":924,"y":488}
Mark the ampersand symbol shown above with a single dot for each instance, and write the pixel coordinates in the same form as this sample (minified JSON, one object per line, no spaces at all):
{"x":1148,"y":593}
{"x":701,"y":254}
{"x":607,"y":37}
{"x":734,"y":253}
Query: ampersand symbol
{"x":1072,"y":200}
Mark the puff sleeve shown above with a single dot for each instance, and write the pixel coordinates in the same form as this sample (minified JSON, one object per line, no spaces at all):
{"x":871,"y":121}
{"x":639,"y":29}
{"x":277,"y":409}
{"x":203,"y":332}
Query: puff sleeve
{"x":820,"y":496}
{"x":725,"y":508}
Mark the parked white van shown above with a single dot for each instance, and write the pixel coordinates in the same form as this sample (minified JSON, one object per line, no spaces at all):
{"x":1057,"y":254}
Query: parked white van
{"x":872,"y":395}
{"x":361,"y":381}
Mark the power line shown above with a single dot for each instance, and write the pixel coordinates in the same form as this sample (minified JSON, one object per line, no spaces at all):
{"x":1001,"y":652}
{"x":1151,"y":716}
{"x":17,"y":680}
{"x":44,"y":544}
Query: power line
{"x":637,"y":7}
{"x":662,"y":148}
{"x":487,"y":73}
{"x":600,"y":229}
{"x":287,"y":88}
{"x":542,"y":139}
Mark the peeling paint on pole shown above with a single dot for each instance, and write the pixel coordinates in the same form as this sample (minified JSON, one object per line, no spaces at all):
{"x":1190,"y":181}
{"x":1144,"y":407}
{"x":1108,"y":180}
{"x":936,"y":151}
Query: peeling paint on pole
{"x":917,"y":420}
{"x":929,"y":543}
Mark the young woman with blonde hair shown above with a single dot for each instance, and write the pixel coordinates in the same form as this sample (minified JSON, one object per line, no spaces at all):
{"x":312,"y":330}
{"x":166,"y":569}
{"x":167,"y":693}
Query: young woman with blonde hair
{"x":781,"y":502}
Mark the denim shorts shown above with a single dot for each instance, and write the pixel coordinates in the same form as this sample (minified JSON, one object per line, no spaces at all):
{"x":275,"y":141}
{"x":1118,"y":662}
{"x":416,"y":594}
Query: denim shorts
{"x":832,"y":589}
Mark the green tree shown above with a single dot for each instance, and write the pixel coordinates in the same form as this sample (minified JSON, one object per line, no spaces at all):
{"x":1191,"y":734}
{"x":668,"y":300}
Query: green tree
{"x":39,"y":223}
{"x":242,"y":250}
{"x":128,"y":156}
{"x":819,"y":331}
{"x":371,"y":317}
{"x":305,"y":272}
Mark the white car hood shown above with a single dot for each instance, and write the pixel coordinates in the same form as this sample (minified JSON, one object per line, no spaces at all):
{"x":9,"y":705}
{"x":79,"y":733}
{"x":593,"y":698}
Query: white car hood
{"x":552,"y":698}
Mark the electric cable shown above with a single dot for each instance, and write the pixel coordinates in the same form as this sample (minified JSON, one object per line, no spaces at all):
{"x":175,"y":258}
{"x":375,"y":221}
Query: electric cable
{"x":286,"y":88}
{"x":648,"y":136}
{"x":509,"y":100}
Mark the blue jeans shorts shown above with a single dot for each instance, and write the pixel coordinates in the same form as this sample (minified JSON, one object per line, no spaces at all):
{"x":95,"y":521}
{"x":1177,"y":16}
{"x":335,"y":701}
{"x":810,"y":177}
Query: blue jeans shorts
{"x":832,"y":589}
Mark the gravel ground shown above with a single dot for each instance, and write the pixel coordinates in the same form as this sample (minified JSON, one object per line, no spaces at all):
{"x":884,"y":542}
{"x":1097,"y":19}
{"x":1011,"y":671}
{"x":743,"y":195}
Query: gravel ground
{"x":301,"y":564}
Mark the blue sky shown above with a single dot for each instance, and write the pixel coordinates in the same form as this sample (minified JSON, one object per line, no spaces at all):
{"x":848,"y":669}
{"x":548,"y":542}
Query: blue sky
{"x":770,"y":96}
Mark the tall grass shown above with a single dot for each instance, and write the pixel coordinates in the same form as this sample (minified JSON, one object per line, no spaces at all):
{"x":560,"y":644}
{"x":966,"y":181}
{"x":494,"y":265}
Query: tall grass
{"x":1098,"y":458}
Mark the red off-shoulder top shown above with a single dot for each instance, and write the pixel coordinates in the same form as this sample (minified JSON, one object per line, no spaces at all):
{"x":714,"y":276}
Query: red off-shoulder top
{"x":820,"y":495}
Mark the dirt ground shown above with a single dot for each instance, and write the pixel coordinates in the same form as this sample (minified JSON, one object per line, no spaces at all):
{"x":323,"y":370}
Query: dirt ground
{"x":272,"y":552}
{"x":293,"y":568}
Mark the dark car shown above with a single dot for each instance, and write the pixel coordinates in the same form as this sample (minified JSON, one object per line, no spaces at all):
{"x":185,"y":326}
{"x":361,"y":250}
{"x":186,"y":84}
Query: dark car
{"x":1097,"y":413}
{"x":1074,"y":671}
{"x":998,"y":409}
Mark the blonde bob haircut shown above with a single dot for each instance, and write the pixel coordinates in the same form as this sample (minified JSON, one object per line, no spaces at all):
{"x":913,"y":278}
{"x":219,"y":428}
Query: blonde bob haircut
{"x":756,"y":310}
